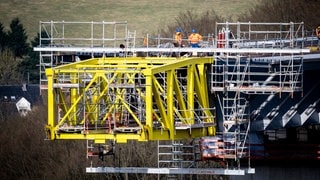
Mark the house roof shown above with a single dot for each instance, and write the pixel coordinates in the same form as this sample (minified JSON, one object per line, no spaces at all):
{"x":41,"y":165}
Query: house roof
{"x":23,"y":104}
{"x":13,"y":93}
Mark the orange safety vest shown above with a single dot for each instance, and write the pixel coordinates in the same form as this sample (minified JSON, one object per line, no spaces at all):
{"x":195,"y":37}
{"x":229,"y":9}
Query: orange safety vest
{"x":195,"y":38}
{"x":178,"y":37}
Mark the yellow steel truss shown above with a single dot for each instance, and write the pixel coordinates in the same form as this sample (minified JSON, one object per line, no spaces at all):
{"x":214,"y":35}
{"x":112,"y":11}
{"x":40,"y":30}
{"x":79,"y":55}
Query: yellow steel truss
{"x":129,"y":99}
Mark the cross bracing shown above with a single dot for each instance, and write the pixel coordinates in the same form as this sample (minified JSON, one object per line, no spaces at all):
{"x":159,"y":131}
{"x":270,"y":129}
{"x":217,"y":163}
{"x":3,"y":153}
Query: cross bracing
{"x":131,"y":98}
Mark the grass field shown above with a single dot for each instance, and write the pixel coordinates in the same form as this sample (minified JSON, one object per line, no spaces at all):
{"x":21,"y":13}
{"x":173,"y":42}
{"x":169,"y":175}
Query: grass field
{"x":144,"y":16}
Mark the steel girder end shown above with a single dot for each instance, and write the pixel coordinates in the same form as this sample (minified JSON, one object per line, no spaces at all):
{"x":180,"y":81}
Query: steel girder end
{"x":49,"y":132}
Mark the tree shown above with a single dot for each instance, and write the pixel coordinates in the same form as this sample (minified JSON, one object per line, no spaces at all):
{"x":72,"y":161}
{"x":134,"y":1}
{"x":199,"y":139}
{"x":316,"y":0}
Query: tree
{"x":203,"y":23}
{"x":3,"y":38}
{"x":29,"y":66}
{"x":285,"y":11}
{"x":17,"y":39}
{"x":8,"y":69}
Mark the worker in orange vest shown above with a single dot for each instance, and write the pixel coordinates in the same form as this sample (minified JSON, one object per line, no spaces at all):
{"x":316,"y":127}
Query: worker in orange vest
{"x":194,"y":39}
{"x":318,"y":36}
{"x":178,"y":38}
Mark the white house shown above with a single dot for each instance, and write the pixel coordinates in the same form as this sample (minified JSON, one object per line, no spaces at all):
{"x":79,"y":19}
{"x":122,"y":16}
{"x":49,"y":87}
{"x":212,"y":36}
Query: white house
{"x":23,"y":106}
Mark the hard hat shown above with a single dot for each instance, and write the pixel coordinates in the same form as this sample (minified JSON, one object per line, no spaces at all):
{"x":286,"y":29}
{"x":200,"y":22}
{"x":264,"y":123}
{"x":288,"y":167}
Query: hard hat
{"x":178,"y":30}
{"x":193,"y":30}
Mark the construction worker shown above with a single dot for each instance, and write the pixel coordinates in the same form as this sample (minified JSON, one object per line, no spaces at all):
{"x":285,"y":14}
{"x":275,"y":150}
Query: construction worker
{"x":121,"y":52}
{"x":178,"y":38}
{"x":194,"y":39}
{"x":318,"y":36}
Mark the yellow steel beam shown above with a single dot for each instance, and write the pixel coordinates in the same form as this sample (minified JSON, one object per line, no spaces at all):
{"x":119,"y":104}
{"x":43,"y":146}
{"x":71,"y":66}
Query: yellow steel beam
{"x":124,"y":137}
{"x":190,"y":93}
{"x":51,"y":106}
{"x":129,"y":99}
{"x":170,"y":103}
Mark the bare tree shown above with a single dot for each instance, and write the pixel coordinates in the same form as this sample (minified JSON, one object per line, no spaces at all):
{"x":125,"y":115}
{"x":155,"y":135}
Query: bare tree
{"x":285,"y":11}
{"x":204,"y":23}
{"x":8,"y":69}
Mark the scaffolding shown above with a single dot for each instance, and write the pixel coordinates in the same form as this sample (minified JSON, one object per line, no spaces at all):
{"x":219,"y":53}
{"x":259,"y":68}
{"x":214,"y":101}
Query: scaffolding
{"x":115,"y":96}
{"x":60,"y":43}
{"x":259,"y":72}
{"x":238,"y":75}
{"x":176,"y":154}
{"x":64,"y":34}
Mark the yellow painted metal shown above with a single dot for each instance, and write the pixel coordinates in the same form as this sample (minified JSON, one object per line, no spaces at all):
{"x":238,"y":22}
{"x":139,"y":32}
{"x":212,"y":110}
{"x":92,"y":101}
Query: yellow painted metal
{"x":190,"y":93}
{"x":169,"y":97}
{"x":73,"y":98}
{"x":125,"y":99}
{"x":51,"y":106}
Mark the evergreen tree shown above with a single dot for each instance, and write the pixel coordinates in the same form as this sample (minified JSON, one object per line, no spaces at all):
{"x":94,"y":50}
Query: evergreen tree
{"x":29,"y":66}
{"x":17,"y":38}
{"x":3,"y":38}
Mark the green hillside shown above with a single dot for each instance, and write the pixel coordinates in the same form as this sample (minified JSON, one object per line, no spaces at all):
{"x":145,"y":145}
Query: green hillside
{"x":144,"y":16}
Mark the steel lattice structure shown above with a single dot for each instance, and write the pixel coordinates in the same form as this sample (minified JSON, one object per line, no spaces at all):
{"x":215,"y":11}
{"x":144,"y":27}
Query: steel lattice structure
{"x":131,"y":98}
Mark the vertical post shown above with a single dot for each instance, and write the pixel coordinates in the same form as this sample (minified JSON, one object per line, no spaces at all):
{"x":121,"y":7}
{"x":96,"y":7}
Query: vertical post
{"x":302,"y":34}
{"x":63,"y":33}
{"x":40,"y":34}
{"x":249,"y":31}
{"x":92,"y":35}
{"x":127,"y":35}
{"x":114,"y":34}
{"x":40,"y":57}
{"x":291,"y":34}
{"x":103,"y":33}
{"x":51,"y":108}
{"x":170,"y":103}
{"x":148,"y":99}
{"x":73,"y":99}
{"x":238,"y":34}
{"x":51,"y":33}
{"x":190,"y":93}
{"x":51,"y":43}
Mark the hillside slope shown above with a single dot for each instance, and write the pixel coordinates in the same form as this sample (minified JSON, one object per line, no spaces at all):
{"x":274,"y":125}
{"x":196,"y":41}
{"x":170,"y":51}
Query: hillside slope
{"x":144,"y":16}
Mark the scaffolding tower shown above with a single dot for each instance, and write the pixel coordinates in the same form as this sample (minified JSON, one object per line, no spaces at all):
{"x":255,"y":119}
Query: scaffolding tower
{"x":236,"y":76}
